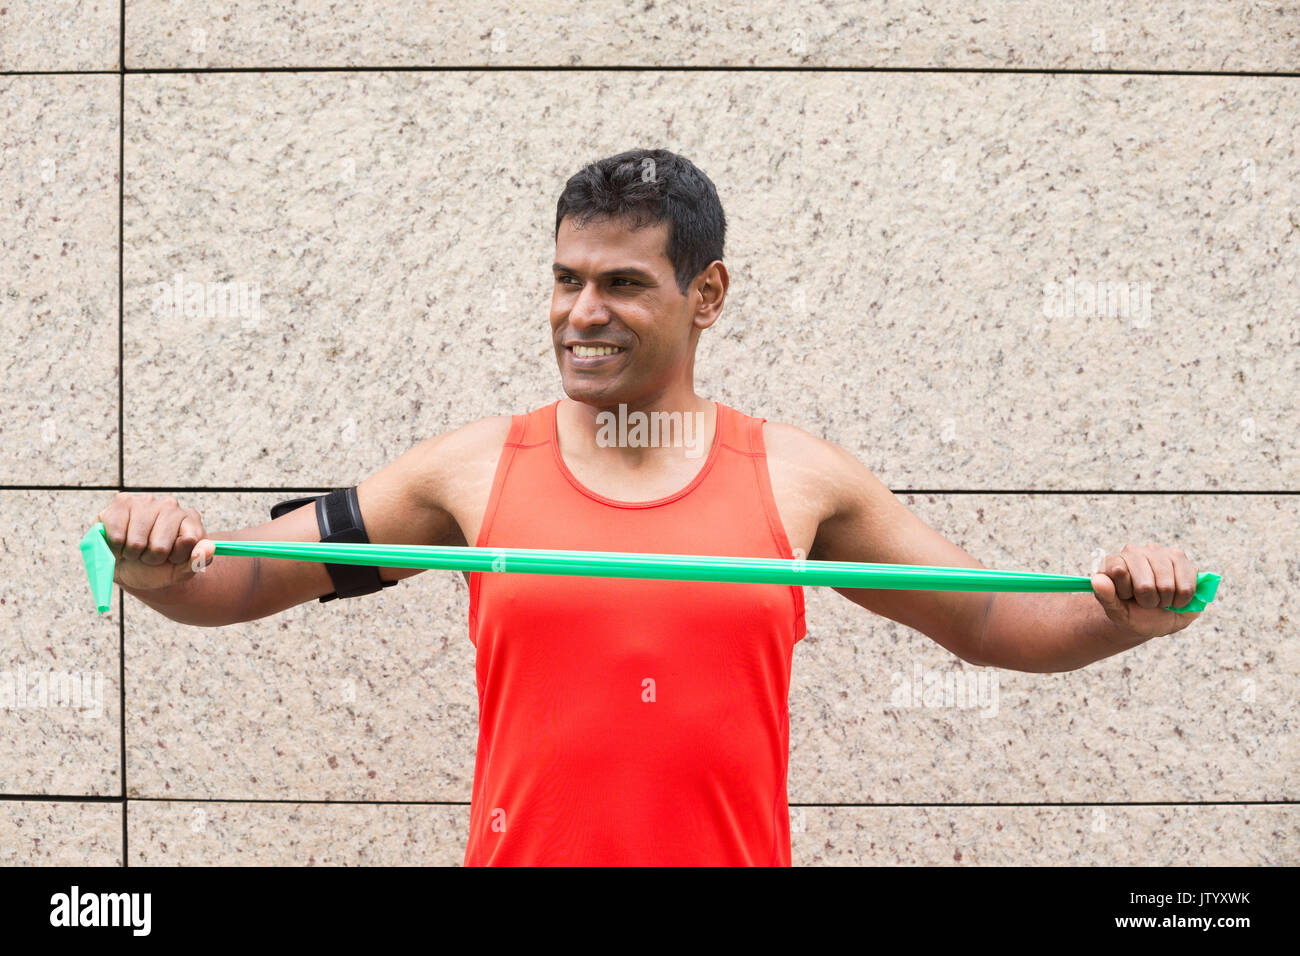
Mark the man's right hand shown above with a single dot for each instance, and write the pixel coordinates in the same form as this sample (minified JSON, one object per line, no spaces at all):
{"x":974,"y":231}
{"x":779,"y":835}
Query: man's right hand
{"x":154,"y":540}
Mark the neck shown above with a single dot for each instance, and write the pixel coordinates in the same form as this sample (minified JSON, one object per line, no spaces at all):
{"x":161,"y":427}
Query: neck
{"x":649,"y":430}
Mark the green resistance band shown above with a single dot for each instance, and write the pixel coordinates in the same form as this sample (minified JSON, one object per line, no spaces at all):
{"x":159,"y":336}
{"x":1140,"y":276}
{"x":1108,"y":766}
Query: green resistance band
{"x":611,"y":564}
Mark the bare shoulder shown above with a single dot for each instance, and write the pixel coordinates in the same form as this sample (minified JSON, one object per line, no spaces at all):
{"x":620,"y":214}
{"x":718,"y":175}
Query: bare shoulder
{"x":811,"y":464}
{"x":427,"y":494}
{"x":465,"y":455}
{"x":829,"y":481}
{"x":438,"y":488}
{"x":801,"y":468}
{"x":790,"y":442}
{"x":484,"y":436}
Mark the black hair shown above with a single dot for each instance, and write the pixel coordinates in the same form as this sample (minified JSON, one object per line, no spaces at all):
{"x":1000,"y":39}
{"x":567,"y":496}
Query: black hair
{"x":647,"y":186}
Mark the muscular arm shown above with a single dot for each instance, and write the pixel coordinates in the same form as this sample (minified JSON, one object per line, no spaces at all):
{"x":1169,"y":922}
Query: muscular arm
{"x":399,"y":505}
{"x":862,"y":520}
{"x":409,"y":501}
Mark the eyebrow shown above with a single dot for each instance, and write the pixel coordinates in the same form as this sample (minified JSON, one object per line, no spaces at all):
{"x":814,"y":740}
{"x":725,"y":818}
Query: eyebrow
{"x":630,"y":271}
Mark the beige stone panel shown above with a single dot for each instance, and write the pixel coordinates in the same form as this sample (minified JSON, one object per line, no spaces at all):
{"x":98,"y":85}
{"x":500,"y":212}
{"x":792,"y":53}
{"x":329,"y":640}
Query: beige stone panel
{"x":370,"y":698}
{"x":1025,"y":34}
{"x":58,"y":278}
{"x":373,"y":698}
{"x":60,"y":688}
{"x":882,"y":714}
{"x":181,"y":833}
{"x":167,"y":833}
{"x":60,"y":833}
{"x":46,"y":35}
{"x":364,"y":260}
{"x":1212,"y":835}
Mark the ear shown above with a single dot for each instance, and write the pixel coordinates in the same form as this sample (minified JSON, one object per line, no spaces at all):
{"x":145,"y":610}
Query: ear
{"x":708,"y":293}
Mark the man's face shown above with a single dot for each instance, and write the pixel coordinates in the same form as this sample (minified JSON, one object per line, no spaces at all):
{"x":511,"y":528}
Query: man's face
{"x":614,"y":287}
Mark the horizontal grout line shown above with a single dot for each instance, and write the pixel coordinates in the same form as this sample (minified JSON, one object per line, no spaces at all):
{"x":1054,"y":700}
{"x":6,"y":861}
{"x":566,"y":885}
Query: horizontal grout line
{"x":1073,"y":803}
{"x":1084,"y":491}
{"x":63,"y":798}
{"x":681,"y":68}
{"x":378,"y":803}
{"x":235,"y":489}
{"x":60,"y":798}
{"x":488,"y":68}
{"x":60,"y":72}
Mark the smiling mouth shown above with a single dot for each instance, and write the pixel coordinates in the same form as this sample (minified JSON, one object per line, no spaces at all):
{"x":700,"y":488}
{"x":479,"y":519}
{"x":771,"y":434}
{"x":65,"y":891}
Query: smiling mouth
{"x":593,"y":351}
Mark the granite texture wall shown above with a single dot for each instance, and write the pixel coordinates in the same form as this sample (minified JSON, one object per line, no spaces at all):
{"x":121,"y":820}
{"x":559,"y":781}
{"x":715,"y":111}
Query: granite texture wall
{"x":922,"y":203}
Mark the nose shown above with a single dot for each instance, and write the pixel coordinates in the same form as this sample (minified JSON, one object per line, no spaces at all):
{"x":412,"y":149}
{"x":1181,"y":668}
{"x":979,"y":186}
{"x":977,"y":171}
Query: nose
{"x":588,"y":310}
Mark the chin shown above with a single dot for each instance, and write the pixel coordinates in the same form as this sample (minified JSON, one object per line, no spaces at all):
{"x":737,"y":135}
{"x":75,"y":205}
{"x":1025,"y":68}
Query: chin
{"x":589,"y":393}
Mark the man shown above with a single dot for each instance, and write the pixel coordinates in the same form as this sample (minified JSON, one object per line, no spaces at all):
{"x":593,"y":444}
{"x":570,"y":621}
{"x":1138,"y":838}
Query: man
{"x":636,"y":721}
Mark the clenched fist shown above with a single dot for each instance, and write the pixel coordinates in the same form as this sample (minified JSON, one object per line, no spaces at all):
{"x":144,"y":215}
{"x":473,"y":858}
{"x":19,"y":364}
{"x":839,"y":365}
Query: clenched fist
{"x":154,"y":541}
{"x":1136,"y":585}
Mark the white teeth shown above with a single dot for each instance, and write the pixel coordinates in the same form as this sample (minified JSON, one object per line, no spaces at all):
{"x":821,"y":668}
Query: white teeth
{"x":586,"y":351}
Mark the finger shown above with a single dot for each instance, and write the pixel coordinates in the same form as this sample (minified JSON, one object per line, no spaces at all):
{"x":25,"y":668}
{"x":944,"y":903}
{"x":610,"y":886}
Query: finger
{"x":1184,"y":579}
{"x":1162,"y":569}
{"x":1104,"y":589}
{"x":190,"y":533}
{"x":162,"y":538}
{"x":1117,"y":571}
{"x":138,"y":527}
{"x":1143,"y":578}
{"x":114,"y":518}
{"x":205,"y":552}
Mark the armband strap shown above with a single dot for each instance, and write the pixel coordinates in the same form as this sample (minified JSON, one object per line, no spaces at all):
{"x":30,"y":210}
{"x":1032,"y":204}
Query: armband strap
{"x":338,"y":517}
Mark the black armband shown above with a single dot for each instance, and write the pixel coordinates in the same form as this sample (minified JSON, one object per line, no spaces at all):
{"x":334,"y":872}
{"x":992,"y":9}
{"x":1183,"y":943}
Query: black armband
{"x":338,"y":517}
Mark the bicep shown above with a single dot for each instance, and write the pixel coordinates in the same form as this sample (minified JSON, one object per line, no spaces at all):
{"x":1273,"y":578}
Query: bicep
{"x":869,"y":523}
{"x":397,"y":507}
{"x":401,"y":504}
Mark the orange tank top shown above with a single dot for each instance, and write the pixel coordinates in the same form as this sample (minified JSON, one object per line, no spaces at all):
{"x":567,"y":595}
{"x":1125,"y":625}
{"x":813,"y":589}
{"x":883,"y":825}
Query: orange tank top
{"x":622,"y":721}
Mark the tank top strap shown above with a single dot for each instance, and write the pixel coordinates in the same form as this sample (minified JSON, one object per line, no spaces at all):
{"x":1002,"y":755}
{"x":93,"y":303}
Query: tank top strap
{"x":535,"y":426}
{"x":732,"y":429}
{"x":754,"y":436}
{"x":740,"y":432}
